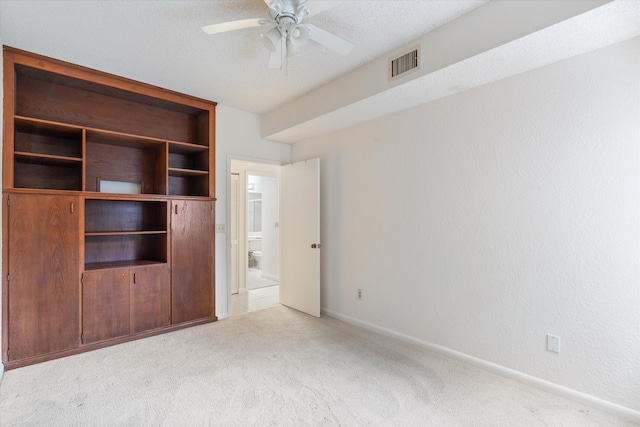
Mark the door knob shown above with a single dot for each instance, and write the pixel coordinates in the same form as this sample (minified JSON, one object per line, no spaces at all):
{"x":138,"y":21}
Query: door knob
{"x":315,"y":245}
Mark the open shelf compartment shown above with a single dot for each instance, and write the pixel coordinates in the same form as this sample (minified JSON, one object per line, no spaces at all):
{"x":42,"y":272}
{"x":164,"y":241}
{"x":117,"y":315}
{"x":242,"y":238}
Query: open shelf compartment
{"x":125,"y":232}
{"x":125,"y":158}
{"x":47,"y":155}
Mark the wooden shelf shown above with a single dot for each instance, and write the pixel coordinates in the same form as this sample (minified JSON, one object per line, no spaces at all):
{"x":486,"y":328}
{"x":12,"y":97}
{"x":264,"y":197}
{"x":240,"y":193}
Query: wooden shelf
{"x":186,"y":172}
{"x":123,"y":233}
{"x":34,"y":124}
{"x":185,"y":148}
{"x":120,"y":264}
{"x":47,"y":159}
{"x":122,"y":139}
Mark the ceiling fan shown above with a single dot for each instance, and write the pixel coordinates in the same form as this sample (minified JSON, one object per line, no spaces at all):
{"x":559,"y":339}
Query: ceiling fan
{"x":286,"y":34}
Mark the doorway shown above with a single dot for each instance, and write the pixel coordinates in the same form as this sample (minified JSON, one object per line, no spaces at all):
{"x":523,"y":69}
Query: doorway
{"x":254,"y":221}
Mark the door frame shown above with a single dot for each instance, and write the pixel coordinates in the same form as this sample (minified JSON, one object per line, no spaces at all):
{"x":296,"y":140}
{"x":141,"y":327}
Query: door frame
{"x":244,"y":261}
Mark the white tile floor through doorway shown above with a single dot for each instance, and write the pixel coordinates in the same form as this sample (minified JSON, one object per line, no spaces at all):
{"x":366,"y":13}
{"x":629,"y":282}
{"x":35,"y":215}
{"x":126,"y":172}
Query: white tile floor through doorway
{"x":266,"y":294}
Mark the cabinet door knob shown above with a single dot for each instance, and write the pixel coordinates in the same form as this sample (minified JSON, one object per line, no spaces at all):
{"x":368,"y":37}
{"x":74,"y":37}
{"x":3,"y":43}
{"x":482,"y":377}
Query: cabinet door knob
{"x":72,"y":206}
{"x":135,"y":277}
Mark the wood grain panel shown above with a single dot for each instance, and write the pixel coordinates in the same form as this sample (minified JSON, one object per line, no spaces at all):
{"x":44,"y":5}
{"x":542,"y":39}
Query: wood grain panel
{"x":72,"y":105}
{"x":129,"y":164}
{"x":105,"y":304}
{"x":33,"y":175}
{"x":43,"y":268}
{"x":192,"y":260}
{"x":88,"y":79}
{"x":150,"y":298}
{"x":8,"y":111}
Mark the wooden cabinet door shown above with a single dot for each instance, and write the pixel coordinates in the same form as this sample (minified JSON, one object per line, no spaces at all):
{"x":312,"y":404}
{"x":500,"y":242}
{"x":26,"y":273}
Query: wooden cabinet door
{"x":105,"y":304}
{"x":43,"y":288}
{"x":191,"y":260}
{"x":150,"y":292}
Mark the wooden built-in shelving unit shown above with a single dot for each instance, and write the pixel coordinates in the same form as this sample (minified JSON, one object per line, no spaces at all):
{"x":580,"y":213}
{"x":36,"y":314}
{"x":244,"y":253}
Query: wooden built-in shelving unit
{"x":109,"y":209}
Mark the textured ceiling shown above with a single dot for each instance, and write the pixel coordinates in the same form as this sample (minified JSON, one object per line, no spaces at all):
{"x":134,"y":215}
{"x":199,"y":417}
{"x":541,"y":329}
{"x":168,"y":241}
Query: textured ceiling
{"x":611,"y":23}
{"x":161,"y":43}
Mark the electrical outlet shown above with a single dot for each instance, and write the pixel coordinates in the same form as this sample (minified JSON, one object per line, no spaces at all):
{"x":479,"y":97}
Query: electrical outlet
{"x":359,"y":293}
{"x":553,"y":343}
{"x":219,"y":228}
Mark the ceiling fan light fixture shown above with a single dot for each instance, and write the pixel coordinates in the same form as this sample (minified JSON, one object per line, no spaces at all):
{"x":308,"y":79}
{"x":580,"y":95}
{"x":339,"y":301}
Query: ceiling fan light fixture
{"x":292,"y":49}
{"x":300,"y":34}
{"x":297,"y":38}
{"x":303,"y":11}
{"x":271,"y":39}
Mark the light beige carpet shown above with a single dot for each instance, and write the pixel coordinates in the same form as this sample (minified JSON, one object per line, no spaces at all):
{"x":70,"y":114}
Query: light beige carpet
{"x":275,"y":367}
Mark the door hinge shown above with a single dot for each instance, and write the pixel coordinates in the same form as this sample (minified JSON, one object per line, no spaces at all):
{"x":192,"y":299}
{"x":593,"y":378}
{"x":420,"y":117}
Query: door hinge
{"x":81,"y":336}
{"x":8,"y":356}
{"x":82,"y":279}
{"x":8,"y":202}
{"x":8,"y":276}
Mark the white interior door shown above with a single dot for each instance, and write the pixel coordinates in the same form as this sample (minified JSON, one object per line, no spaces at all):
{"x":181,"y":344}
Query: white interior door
{"x":300,"y":236}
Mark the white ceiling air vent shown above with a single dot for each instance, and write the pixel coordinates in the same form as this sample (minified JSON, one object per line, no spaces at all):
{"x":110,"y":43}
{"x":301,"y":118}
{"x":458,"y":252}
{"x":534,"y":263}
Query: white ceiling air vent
{"x":404,"y":63}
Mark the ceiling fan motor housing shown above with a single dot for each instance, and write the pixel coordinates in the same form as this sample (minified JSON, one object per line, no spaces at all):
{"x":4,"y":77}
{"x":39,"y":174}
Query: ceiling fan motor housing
{"x":286,"y":34}
{"x":288,"y":16}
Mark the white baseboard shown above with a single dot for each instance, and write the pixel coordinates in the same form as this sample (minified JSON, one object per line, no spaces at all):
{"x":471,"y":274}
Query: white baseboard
{"x":568,"y":393}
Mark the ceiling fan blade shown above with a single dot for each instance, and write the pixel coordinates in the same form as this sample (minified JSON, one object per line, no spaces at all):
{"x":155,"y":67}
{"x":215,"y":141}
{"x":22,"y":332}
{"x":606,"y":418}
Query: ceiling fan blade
{"x":270,"y":3}
{"x":233,"y":25}
{"x":275,"y":60}
{"x":329,"y":40}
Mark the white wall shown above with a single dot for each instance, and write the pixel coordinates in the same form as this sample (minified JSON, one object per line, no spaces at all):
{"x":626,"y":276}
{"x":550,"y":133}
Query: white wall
{"x":238,"y":137}
{"x":483,"y":221}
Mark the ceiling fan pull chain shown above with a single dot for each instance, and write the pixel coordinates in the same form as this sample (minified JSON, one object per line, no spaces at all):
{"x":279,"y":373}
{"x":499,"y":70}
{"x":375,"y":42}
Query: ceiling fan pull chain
{"x":283,"y":54}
